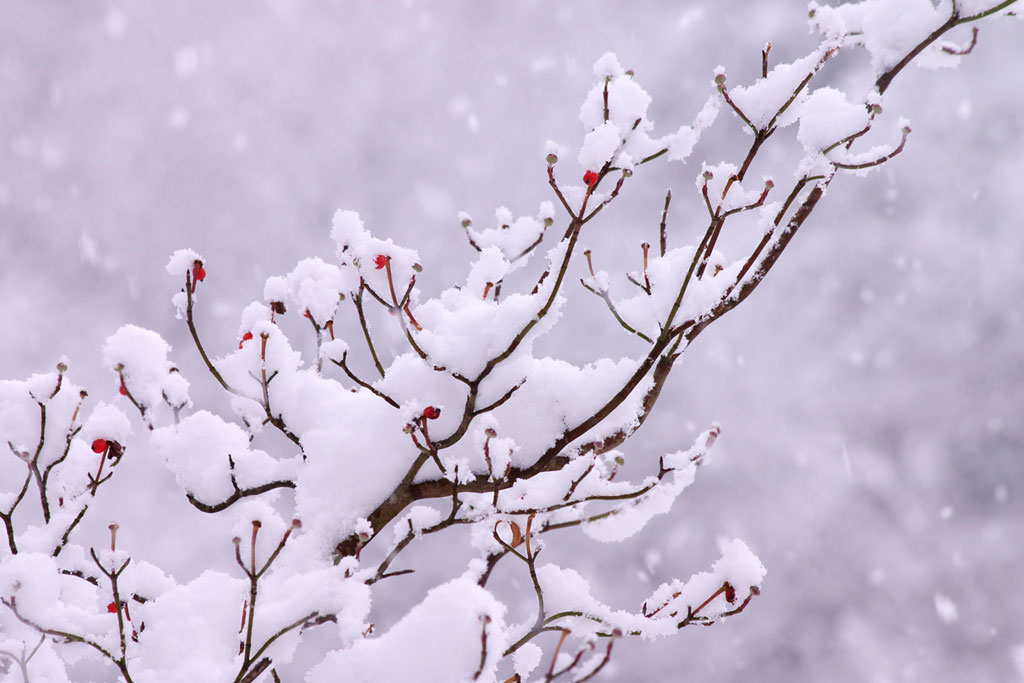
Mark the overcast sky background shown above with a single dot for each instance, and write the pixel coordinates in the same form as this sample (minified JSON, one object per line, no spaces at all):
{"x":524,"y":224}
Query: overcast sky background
{"x":869,"y":393}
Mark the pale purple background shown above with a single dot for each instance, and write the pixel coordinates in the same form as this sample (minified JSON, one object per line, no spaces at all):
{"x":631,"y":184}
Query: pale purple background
{"x":870,"y":393}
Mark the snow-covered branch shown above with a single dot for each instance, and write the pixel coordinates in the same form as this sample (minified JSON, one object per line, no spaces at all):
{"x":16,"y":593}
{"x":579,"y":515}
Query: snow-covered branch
{"x":451,"y":421}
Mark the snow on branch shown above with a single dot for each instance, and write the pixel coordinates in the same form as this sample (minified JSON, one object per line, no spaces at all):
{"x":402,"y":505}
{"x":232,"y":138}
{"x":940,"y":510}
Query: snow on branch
{"x":378,"y":446}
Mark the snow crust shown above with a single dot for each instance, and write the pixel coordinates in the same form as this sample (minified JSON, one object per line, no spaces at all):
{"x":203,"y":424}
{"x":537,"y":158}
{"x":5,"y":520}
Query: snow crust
{"x":827,"y":117}
{"x":455,"y":615}
{"x":207,"y":454}
{"x":762,"y":101}
{"x":107,"y":422}
{"x":622,"y":137}
{"x":358,"y":249}
{"x":191,"y":631}
{"x":313,"y":286}
{"x":512,"y":237}
{"x":149,"y":376}
{"x":889,"y":29}
{"x":181,"y":262}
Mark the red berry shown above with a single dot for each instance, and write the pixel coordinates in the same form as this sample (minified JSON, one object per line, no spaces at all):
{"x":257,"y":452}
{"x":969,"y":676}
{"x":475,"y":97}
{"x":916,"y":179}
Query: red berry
{"x":431,"y":413}
{"x":730,"y":593}
{"x":590,"y":178}
{"x":123,"y":389}
{"x":380,"y":261}
{"x":198,"y":272}
{"x":112,"y":608}
{"x":99,"y":445}
{"x":245,"y":337}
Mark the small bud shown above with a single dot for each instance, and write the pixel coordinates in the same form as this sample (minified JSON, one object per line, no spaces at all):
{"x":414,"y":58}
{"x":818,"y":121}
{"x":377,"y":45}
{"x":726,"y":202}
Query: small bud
{"x":278,"y":307}
{"x":707,"y":175}
{"x":769,"y":183}
{"x":466,"y":222}
{"x":906,"y":130}
{"x":552,"y":159}
{"x":627,"y":173}
{"x":417,"y":268}
{"x":256,"y":524}
{"x":380,"y":262}
{"x":590,"y":178}
{"x":548,"y":222}
{"x":99,"y":445}
{"x":490,"y":432}
{"x":619,"y":460}
{"x":62,"y":367}
{"x":408,"y":429}
{"x":730,"y":593}
{"x":236,"y":540}
{"x":720,"y":80}
{"x":876,"y":109}
{"x":296,"y":523}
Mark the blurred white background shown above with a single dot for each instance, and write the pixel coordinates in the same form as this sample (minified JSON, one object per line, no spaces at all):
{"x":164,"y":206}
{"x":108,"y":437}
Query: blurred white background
{"x":869,"y":393}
